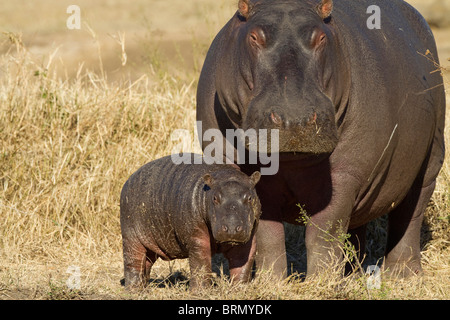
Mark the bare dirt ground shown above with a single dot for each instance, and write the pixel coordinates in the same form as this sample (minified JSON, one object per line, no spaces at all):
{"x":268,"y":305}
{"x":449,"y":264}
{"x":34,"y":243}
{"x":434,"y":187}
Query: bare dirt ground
{"x":60,"y":209}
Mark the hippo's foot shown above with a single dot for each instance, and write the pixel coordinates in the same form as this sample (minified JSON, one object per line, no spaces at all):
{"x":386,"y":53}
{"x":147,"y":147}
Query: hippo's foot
{"x":402,"y":269}
{"x":201,"y":272}
{"x":134,"y":281}
{"x":200,"y":280}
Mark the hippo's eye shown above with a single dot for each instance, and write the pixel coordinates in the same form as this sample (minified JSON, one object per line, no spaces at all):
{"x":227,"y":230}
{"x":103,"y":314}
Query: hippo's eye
{"x":322,"y":38}
{"x":257,"y":37}
{"x":318,"y":38}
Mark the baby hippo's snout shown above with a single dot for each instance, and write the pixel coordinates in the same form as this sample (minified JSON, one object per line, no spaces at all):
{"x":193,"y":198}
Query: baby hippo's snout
{"x":233,"y":228}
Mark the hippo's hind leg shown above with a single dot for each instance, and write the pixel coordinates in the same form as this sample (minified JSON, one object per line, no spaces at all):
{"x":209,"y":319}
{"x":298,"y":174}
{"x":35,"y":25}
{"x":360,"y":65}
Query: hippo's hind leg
{"x":402,"y":256}
{"x":405,"y":221}
{"x":138,"y":262}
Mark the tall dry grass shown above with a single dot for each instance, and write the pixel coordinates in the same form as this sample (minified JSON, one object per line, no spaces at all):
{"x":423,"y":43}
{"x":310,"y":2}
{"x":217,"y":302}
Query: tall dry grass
{"x":66,"y":148}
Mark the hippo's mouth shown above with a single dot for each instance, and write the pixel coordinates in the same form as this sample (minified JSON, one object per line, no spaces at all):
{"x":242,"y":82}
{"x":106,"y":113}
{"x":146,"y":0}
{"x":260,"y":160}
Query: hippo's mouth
{"x":297,"y":142}
{"x":231,"y":243}
{"x":317,"y":134}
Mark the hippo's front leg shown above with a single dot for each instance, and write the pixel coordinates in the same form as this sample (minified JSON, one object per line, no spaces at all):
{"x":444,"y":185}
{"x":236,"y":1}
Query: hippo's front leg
{"x":200,"y":254}
{"x":271,"y":251}
{"x":323,"y":243}
{"x":324,"y":230}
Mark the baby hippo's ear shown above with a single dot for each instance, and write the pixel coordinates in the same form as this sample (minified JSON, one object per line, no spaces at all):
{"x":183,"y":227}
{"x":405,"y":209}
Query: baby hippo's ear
{"x":208,"y":179}
{"x":254,"y":178}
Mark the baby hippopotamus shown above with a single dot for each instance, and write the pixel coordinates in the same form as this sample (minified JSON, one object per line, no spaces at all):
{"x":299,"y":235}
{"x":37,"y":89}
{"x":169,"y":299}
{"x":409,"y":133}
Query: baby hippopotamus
{"x":176,"y":211}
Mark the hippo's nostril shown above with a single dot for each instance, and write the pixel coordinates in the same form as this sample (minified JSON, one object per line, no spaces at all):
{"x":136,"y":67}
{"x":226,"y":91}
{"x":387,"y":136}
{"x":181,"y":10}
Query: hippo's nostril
{"x":239,"y":228}
{"x":224,"y":228}
{"x":276,"y":119}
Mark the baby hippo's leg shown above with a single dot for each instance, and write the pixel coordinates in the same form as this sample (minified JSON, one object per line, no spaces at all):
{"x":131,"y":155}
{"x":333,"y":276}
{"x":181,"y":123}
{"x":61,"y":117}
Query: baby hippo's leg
{"x":200,"y":260}
{"x":200,"y":272}
{"x":137,"y":263}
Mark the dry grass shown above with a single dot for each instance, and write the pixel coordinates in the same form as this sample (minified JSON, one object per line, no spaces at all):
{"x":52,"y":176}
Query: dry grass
{"x":68,"y":145}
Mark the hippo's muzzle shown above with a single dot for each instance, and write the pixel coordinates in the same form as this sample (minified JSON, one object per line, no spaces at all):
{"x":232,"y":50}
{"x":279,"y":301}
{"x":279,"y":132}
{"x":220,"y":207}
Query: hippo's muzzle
{"x":309,"y":130}
{"x":232,"y":229}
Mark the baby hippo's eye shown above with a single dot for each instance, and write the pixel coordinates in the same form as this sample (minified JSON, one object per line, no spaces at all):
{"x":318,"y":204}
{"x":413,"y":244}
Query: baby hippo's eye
{"x":248,"y":198}
{"x":216,"y":199}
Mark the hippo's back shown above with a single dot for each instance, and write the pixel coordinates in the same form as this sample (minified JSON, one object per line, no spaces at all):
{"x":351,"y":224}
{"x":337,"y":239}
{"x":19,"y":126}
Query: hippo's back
{"x":161,"y":182}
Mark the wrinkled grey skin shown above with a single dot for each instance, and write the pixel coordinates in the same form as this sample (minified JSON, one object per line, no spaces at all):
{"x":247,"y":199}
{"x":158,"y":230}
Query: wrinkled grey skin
{"x":188,"y":211}
{"x":360,"y":114}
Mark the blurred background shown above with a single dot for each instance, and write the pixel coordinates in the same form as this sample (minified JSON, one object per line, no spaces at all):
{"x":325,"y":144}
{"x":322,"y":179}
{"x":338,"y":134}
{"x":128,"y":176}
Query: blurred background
{"x":158,"y":36}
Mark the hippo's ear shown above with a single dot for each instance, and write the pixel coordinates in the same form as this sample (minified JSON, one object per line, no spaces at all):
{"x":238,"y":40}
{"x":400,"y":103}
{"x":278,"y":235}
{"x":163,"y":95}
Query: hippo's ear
{"x":254,"y":178}
{"x":245,"y":7}
{"x":208,"y":179}
{"x":325,"y":8}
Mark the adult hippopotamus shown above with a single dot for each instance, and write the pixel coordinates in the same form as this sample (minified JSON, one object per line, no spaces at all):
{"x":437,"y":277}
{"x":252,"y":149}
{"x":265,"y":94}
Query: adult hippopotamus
{"x":173,"y":210}
{"x":359,"y":103}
